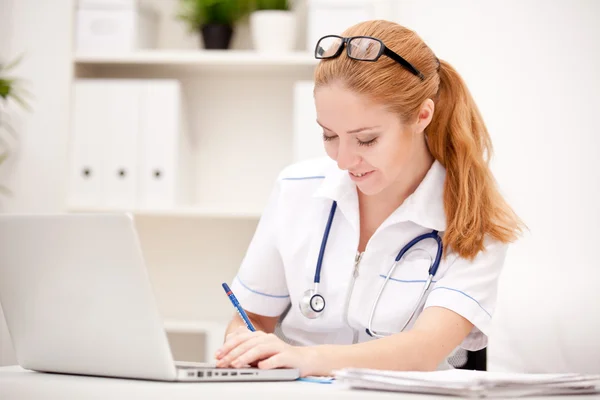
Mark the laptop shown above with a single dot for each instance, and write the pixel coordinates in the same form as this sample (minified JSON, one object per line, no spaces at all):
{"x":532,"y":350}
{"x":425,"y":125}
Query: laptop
{"x":77,"y":299}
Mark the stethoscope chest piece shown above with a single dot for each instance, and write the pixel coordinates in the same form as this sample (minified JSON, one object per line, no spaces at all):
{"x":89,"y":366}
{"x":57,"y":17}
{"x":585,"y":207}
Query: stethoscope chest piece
{"x":312,"y":304}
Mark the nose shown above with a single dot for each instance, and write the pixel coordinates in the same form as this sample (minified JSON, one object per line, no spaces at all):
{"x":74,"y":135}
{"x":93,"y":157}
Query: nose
{"x":347,"y":157}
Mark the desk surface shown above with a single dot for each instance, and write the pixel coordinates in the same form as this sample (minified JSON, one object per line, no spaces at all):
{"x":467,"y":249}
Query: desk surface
{"x":17,"y":383}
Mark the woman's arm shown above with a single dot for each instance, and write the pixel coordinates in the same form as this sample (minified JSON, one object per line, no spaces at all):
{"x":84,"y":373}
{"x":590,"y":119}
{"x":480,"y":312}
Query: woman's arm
{"x":260,"y":322}
{"x":437,"y":332}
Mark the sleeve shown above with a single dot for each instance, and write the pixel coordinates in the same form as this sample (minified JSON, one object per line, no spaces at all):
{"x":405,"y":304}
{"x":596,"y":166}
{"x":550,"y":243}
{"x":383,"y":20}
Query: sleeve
{"x":469,"y":288}
{"x":260,"y":284}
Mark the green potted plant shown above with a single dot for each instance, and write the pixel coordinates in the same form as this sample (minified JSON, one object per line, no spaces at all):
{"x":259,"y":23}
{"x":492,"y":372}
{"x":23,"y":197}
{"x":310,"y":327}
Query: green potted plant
{"x":214,"y":20}
{"x":273,"y":26}
{"x":10,"y":90}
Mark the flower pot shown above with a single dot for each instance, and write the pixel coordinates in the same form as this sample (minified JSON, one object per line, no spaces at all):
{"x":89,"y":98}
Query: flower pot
{"x":216,"y":36}
{"x":273,"y":31}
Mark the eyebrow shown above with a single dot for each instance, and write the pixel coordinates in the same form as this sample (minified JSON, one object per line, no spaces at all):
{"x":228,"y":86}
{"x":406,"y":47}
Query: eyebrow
{"x":366,"y":128}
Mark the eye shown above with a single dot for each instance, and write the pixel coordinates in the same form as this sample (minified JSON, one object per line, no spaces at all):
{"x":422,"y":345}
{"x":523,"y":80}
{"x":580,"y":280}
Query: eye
{"x":367,"y":143}
{"x":328,"y":138}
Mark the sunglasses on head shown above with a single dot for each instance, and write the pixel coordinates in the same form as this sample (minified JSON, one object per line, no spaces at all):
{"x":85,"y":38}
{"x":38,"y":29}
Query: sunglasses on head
{"x":362,"y":48}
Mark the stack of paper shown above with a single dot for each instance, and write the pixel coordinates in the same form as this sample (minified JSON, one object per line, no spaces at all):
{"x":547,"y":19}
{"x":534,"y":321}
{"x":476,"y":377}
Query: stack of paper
{"x":466,"y":383}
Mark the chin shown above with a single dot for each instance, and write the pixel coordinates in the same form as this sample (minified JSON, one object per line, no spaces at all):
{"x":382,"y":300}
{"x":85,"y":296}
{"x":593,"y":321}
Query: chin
{"x":370,"y":189}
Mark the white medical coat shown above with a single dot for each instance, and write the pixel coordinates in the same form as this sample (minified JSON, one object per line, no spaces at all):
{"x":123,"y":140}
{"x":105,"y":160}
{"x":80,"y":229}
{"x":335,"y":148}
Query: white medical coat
{"x":280,"y":262}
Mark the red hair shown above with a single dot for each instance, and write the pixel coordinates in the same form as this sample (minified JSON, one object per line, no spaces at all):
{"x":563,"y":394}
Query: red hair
{"x":457,"y":136}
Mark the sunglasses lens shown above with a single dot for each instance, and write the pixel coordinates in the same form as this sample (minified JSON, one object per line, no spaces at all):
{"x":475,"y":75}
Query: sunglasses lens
{"x":327,"y":47}
{"x":364,"y":48}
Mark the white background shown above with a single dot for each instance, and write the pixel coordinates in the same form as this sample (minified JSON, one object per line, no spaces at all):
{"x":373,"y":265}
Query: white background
{"x":531,"y":65}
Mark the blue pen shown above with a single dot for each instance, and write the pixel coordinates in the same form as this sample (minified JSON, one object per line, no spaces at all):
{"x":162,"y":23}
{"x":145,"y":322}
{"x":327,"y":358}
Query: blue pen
{"x":237,"y":306}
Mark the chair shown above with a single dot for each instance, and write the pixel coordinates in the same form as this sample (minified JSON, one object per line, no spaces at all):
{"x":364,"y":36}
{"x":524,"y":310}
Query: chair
{"x":473,"y":360}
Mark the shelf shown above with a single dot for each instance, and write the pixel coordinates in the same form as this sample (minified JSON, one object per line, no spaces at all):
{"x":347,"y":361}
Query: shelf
{"x":197,"y":61}
{"x":181,"y":212}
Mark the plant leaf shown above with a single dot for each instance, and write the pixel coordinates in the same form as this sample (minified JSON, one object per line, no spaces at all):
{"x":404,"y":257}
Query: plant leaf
{"x":5,"y":191}
{"x":13,"y":63}
{"x":200,"y":12}
{"x":5,"y":88}
{"x":4,"y":144}
{"x":8,"y":128}
{"x":21,"y":101}
{"x":272,"y":5}
{"x":3,"y":156}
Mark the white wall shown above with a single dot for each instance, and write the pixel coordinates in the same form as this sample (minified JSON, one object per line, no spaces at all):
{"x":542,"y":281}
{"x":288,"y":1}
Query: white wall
{"x":533,"y":67}
{"x":7,"y":355}
{"x":41,"y":30}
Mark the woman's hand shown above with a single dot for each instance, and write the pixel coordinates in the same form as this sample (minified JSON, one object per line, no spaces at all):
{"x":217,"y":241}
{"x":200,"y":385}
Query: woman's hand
{"x":243,"y":347}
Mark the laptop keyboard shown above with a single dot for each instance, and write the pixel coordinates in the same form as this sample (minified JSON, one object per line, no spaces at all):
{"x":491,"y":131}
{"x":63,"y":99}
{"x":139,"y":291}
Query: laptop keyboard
{"x":197,"y":365}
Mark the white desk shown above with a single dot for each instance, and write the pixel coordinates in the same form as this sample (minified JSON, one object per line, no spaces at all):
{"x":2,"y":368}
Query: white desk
{"x":17,"y":383}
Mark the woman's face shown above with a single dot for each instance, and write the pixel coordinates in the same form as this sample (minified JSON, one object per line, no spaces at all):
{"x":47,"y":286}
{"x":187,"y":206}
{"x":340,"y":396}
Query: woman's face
{"x":364,"y":138}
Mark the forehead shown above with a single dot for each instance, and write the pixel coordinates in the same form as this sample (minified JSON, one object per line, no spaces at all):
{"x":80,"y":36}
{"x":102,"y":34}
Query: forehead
{"x":336,"y":105}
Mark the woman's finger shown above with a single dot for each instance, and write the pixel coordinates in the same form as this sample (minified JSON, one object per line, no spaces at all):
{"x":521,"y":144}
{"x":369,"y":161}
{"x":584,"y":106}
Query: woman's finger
{"x":243,"y":347}
{"x":235,"y":352}
{"x":278,"y":360}
{"x":235,"y":341}
{"x":256,"y":353}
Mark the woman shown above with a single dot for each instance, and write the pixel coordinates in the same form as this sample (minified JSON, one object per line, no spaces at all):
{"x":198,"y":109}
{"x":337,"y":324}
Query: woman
{"x":408,"y":156}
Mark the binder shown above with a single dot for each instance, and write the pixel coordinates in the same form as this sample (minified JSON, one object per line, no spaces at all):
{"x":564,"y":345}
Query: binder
{"x":166,"y":167}
{"x":120,"y":114}
{"x":308,"y":135}
{"x":87,"y":174}
{"x":131,"y":148}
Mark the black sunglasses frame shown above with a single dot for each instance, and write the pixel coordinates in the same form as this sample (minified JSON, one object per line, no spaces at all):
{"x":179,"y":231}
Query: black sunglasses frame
{"x":383,"y":50}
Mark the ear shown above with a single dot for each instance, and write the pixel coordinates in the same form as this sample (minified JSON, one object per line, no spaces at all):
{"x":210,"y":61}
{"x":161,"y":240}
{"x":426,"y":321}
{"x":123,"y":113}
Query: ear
{"x":425,"y":115}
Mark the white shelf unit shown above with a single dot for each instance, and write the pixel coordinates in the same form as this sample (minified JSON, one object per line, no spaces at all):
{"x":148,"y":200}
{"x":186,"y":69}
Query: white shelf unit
{"x":205,"y":61}
{"x":240,"y":114}
{"x":239,"y":111}
{"x":178,"y":212}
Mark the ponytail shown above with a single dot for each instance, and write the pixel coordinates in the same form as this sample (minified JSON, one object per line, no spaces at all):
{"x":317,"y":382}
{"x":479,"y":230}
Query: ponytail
{"x":458,"y":139}
{"x":456,"y":136}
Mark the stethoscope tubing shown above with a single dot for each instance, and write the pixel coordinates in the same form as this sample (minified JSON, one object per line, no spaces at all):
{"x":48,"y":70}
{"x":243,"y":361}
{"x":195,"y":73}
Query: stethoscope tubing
{"x":432,"y":271}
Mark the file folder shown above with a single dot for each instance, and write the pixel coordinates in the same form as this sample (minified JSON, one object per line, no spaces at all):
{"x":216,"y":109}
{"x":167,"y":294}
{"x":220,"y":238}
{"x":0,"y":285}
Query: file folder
{"x":131,"y":148}
{"x":121,"y":116}
{"x":87,"y":178}
{"x":166,"y":166}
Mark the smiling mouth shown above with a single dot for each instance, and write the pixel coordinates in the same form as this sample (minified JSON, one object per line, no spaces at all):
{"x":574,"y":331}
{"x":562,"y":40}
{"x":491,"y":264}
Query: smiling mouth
{"x":360,"y":175}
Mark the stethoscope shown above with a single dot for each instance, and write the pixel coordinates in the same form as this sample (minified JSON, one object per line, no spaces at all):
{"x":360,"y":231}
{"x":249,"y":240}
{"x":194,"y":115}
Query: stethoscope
{"x":312,"y":303}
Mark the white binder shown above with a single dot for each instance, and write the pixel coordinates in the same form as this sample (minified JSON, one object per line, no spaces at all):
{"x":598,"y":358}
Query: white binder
{"x":87,"y":172}
{"x":165,"y":149}
{"x":120,"y":114}
{"x":308,"y":135}
{"x":131,"y":148}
